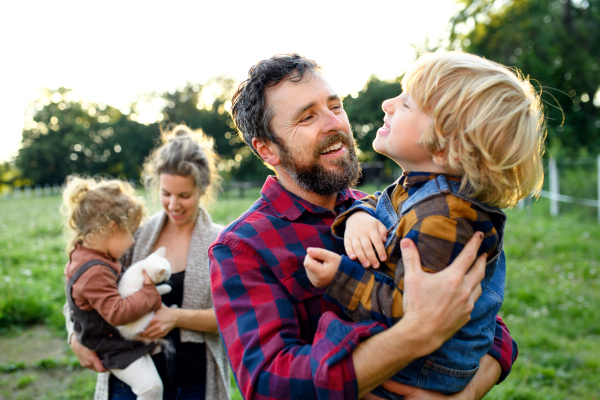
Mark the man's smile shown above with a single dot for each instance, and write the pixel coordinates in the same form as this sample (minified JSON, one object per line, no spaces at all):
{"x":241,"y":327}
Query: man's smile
{"x":332,"y":148}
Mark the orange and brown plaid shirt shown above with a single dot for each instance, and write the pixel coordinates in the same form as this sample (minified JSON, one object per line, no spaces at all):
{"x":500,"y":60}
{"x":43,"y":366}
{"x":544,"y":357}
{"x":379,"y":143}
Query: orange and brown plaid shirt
{"x":439,"y":226}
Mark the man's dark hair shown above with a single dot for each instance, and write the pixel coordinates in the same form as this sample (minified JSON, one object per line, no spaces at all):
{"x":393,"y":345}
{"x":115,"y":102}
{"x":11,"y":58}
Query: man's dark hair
{"x":249,"y":109}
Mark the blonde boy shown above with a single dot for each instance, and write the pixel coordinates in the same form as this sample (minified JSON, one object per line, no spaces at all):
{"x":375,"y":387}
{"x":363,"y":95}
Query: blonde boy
{"x":468,"y":133}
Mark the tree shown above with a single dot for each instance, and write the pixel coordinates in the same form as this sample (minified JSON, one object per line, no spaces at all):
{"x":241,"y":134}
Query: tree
{"x":556,"y":43}
{"x":65,"y":136}
{"x":207,"y":107}
{"x":366,"y":116}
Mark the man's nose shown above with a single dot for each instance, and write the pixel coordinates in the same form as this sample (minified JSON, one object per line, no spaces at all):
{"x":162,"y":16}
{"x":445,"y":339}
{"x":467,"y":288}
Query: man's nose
{"x":334,"y":123}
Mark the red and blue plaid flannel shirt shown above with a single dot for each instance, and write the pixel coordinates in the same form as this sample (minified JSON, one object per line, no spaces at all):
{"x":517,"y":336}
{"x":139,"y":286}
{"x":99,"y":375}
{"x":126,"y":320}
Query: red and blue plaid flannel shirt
{"x":282,"y":338}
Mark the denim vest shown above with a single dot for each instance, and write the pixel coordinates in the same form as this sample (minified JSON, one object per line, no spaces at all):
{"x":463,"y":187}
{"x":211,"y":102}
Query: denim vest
{"x":450,"y":368}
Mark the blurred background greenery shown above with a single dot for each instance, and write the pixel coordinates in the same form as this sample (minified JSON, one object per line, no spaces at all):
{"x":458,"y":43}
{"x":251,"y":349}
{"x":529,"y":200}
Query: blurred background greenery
{"x":553,"y":274}
{"x":554,"y":42}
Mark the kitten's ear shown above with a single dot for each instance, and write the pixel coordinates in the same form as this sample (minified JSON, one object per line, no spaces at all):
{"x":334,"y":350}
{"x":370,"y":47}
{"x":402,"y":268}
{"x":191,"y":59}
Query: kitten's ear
{"x":162,"y":251}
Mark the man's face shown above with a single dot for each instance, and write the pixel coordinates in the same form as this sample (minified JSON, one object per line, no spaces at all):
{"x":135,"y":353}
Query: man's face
{"x":318,"y":151}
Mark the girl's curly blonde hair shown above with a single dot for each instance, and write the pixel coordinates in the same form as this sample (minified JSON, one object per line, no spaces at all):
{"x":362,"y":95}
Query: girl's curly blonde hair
{"x":487,"y":119}
{"x":92,"y":205}
{"x":184,"y":152}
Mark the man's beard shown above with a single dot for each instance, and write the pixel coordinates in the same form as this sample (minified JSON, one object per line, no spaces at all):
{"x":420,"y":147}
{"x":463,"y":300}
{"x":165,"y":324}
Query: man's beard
{"x":316,"y":178}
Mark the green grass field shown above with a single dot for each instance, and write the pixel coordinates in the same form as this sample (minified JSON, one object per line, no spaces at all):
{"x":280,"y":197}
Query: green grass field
{"x":551,"y":301}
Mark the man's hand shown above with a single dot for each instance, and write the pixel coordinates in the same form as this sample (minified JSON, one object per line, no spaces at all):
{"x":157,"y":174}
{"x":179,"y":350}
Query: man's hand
{"x":321,"y":265}
{"x":442,"y":302}
{"x":436,"y":306}
{"x":87,"y":358}
{"x":364,"y":237}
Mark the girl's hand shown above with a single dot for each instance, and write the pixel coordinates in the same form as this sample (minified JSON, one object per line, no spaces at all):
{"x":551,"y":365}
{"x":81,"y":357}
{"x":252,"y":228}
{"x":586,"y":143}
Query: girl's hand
{"x":365,"y":238}
{"x":87,"y":358}
{"x":147,"y":279}
{"x":321,"y":265}
{"x":165,"y":319}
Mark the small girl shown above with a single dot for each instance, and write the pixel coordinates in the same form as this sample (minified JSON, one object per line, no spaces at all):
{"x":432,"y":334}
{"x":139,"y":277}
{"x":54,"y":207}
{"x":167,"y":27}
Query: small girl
{"x":102,"y":216}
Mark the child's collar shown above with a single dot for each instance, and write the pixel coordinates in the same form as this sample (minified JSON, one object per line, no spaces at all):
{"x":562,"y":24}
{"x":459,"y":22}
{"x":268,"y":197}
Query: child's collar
{"x":411,"y":179}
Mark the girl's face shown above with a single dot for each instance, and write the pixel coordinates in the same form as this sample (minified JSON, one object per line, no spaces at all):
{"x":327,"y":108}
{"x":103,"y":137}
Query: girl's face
{"x":118,"y":243}
{"x":180,"y":198}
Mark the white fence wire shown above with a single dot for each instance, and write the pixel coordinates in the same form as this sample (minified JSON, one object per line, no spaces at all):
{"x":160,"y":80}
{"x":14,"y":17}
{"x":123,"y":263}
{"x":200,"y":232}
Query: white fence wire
{"x":555,"y":196}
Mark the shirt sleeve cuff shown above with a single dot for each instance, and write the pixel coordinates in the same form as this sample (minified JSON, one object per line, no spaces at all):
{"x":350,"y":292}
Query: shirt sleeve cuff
{"x":347,"y":286}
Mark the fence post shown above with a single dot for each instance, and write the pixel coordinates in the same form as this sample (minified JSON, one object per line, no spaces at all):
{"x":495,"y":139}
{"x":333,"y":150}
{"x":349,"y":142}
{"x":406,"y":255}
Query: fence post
{"x":554,"y":190}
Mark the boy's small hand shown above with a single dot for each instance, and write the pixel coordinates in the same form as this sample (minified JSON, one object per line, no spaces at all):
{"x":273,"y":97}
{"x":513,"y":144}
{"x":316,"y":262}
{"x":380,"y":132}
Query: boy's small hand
{"x":365,"y":238}
{"x":321,"y":265}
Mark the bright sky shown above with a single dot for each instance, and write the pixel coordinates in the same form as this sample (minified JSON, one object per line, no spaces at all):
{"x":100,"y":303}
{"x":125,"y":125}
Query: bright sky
{"x":112,"y":51}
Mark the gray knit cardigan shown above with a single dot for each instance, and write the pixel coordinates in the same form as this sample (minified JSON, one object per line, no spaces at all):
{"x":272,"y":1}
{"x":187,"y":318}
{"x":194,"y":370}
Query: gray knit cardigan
{"x":196,"y":295}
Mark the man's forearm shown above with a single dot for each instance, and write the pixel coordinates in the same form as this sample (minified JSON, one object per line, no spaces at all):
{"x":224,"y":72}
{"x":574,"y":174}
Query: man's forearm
{"x":483,"y":381}
{"x":381,"y":356}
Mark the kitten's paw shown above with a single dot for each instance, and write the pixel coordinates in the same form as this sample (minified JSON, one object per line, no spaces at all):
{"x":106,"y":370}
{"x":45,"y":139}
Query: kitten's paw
{"x":164,"y":289}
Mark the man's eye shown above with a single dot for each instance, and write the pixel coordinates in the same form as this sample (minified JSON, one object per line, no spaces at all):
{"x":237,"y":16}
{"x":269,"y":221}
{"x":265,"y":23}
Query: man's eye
{"x":307,"y":118}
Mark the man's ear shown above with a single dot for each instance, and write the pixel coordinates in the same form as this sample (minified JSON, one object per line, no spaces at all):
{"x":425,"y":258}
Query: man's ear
{"x":266,"y":151}
{"x":441,"y":158}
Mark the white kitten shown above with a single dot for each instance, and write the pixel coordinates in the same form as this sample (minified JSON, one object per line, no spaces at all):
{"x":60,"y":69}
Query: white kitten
{"x":159,"y":270}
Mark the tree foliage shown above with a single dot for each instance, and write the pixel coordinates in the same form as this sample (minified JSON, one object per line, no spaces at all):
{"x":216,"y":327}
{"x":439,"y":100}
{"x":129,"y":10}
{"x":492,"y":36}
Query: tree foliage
{"x":557,"y":44}
{"x":365,"y":113}
{"x":67,"y":136}
{"x":207,"y":107}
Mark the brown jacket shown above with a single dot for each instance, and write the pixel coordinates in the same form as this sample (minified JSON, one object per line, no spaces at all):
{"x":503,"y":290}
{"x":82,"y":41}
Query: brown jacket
{"x":97,"y":289}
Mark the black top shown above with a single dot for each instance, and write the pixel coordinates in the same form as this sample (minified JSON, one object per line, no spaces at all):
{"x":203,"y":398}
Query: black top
{"x":190,"y":358}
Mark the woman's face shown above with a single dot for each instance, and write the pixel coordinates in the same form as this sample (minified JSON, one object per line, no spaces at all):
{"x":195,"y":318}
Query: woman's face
{"x":180,"y":198}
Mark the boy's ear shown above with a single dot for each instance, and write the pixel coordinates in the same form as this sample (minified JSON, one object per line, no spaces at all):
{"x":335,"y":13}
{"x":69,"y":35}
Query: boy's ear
{"x":266,"y":151}
{"x":441,"y":158}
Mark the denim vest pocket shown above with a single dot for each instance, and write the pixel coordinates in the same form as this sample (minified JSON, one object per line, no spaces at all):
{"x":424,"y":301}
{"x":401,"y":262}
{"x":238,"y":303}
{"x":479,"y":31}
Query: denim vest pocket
{"x":299,"y":287}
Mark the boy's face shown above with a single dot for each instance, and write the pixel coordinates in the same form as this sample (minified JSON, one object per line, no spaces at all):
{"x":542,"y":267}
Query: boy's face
{"x":404,"y":123}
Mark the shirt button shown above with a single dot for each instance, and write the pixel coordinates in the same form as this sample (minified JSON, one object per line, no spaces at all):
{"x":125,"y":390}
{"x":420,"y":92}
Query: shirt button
{"x":110,"y":335}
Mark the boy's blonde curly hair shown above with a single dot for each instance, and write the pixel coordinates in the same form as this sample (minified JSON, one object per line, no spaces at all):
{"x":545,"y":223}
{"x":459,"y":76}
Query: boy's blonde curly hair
{"x":487,"y":119}
{"x":184,"y":152}
{"x":92,"y":204}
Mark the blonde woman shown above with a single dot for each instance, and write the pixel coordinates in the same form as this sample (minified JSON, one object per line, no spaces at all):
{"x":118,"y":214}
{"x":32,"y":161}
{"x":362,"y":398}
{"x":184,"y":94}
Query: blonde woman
{"x":183,"y":171}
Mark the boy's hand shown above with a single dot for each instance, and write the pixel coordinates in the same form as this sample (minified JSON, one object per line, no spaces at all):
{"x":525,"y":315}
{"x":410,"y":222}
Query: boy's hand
{"x":364,"y":236}
{"x":321,"y":265}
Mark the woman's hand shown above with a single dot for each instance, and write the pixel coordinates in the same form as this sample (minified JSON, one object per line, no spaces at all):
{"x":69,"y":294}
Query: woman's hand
{"x":364,"y":236}
{"x":87,"y":358}
{"x":165,"y":319}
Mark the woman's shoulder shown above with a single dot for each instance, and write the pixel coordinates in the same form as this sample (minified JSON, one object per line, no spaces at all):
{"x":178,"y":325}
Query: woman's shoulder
{"x":152,"y":224}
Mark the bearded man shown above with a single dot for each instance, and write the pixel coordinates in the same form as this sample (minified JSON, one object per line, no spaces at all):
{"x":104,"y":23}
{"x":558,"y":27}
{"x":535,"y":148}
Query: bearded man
{"x":283,"y":339}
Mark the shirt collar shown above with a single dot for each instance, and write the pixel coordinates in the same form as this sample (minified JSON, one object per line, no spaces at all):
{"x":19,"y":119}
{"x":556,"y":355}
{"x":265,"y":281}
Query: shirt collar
{"x":417,"y":179}
{"x":288,"y":206}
